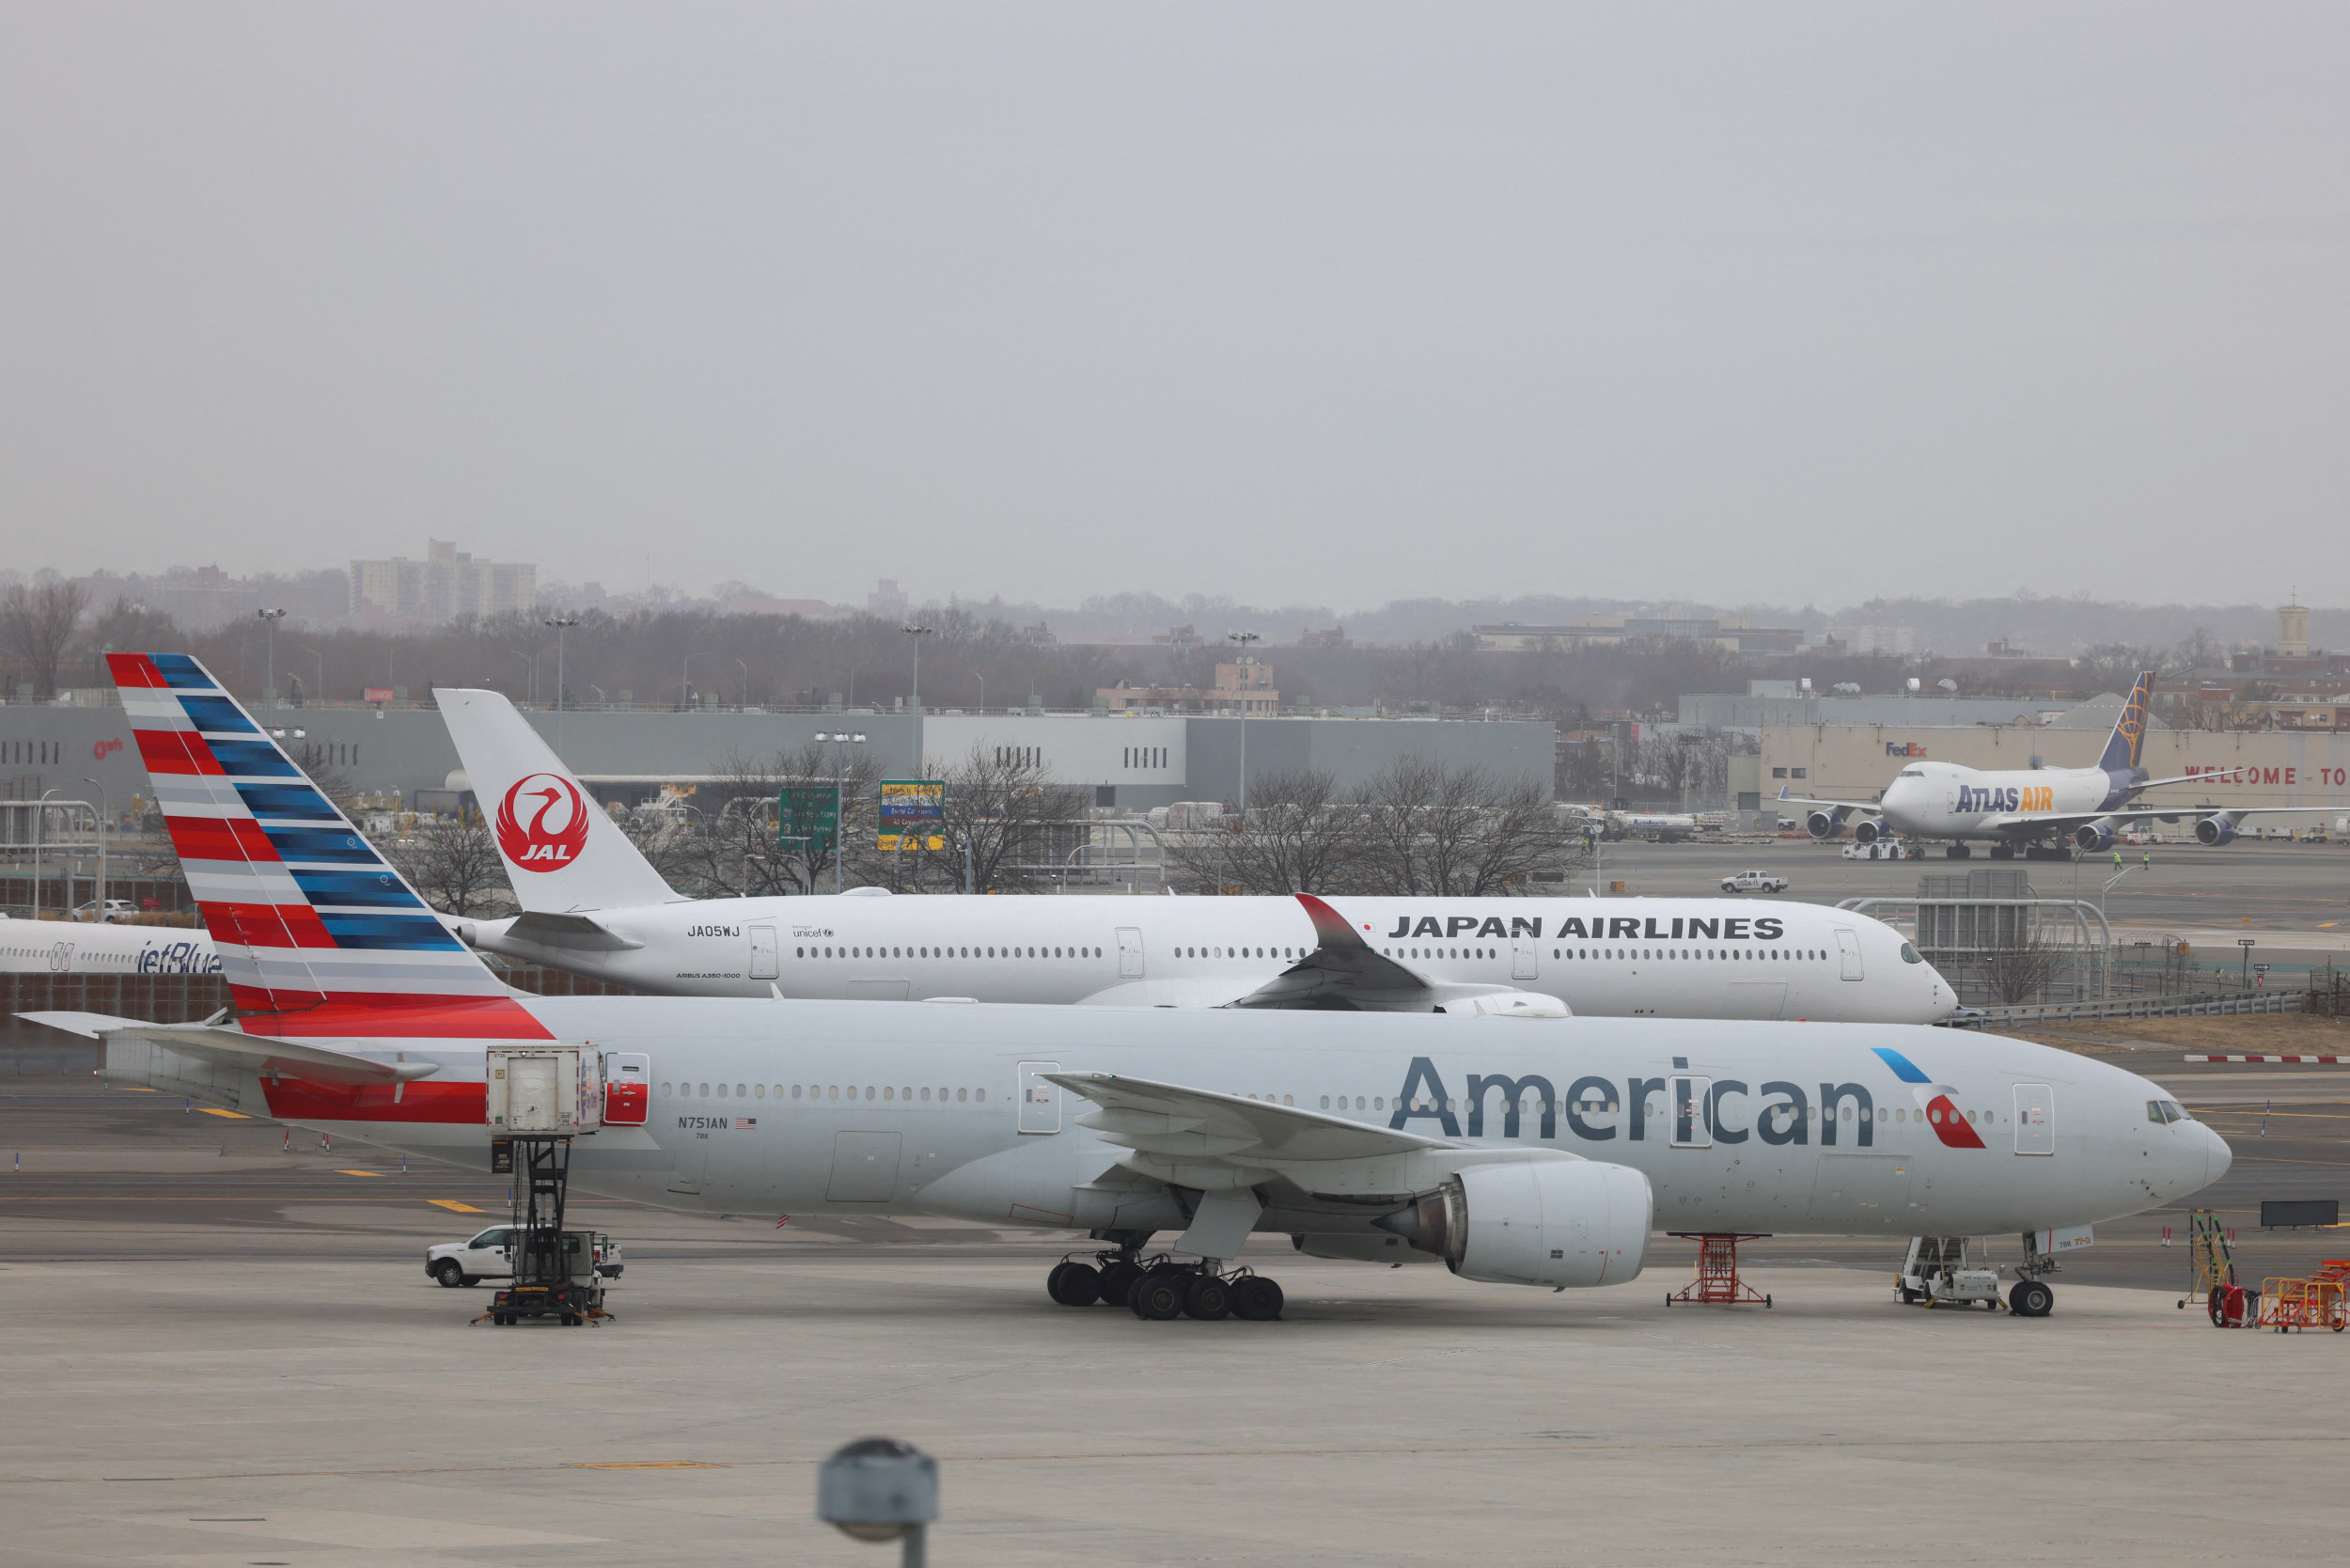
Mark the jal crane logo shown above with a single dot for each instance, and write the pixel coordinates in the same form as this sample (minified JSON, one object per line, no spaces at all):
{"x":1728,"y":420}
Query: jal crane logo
{"x":556,"y":829}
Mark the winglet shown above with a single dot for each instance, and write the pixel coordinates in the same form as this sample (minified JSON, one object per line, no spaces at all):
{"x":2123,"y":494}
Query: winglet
{"x":1330,"y":927}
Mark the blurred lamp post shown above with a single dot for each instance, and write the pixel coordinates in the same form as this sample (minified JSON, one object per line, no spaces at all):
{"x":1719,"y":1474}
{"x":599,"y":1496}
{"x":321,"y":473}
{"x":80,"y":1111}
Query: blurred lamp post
{"x":842,"y":741}
{"x":918,"y":634}
{"x":1244,"y":638}
{"x":270,"y":619}
{"x":562,"y":623}
{"x":880,"y":1489}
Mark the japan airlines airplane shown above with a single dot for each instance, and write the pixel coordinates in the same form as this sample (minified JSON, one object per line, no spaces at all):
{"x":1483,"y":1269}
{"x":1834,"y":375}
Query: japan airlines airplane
{"x":593,"y":906}
{"x":2086,"y":807}
{"x":1520,"y":1151}
{"x":84,"y":948}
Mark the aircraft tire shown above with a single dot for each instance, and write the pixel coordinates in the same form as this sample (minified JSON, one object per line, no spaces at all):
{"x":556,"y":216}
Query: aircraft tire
{"x":1158,"y":1296}
{"x":1256,"y":1300}
{"x":1117,"y":1283}
{"x":1208,"y":1299}
{"x":2030,"y":1299}
{"x":1075,"y":1284}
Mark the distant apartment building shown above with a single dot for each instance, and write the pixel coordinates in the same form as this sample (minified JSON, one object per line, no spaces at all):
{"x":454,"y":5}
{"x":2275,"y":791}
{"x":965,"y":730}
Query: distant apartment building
{"x":1730,"y":634}
{"x":1854,"y":638}
{"x":446,"y":584}
{"x":1242,"y":689}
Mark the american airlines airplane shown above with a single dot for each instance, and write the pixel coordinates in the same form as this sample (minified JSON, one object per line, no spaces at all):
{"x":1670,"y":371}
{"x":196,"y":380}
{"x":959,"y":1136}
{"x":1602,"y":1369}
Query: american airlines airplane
{"x":1520,"y":1151}
{"x":593,"y":906}
{"x":83,"y":947}
{"x":2033,"y":808}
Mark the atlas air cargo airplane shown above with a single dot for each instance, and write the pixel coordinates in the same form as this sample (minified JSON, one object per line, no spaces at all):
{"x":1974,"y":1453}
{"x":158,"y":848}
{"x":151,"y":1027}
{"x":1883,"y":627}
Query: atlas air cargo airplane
{"x":593,"y":906}
{"x":1533,"y":1151}
{"x":2034,"y":809}
{"x":85,"y":947}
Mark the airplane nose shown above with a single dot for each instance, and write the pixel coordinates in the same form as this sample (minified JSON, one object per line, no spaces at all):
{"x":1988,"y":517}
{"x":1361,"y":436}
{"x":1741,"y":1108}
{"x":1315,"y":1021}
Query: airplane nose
{"x":2217,"y":1156}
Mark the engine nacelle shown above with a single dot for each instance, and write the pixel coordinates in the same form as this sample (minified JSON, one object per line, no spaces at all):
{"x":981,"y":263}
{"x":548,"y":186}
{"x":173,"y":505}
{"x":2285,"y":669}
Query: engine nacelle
{"x":2214,"y":831}
{"x":1360,"y":1249}
{"x":2093,"y":836}
{"x":1549,"y":1222}
{"x":1869,"y":832}
{"x":1825,"y":823}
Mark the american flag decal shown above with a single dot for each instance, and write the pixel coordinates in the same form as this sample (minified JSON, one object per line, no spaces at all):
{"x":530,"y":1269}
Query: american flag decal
{"x":746,"y":1123}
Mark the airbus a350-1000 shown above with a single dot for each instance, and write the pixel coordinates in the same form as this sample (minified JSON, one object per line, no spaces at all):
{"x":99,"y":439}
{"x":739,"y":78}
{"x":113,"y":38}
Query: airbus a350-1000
{"x":2033,"y":808}
{"x":1521,"y":1151}
{"x":593,"y":906}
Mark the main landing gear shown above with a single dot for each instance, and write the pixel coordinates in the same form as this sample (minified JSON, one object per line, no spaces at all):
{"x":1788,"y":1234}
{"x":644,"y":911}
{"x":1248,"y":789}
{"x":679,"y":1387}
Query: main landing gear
{"x":1159,"y":1289}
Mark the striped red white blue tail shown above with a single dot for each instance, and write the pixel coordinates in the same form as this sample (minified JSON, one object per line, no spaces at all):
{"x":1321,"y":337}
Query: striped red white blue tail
{"x":317,"y":934}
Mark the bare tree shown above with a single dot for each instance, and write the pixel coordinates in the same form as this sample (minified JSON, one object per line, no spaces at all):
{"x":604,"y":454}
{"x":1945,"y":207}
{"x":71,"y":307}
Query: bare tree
{"x":1000,"y":813}
{"x":334,"y":784}
{"x":453,"y":865}
{"x":1461,"y":833}
{"x":2020,"y":972}
{"x":1296,"y":837}
{"x":36,"y":623}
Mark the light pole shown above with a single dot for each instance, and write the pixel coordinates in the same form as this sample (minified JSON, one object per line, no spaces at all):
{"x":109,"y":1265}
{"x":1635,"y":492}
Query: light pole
{"x":840,"y":740}
{"x":270,"y":619}
{"x":742,"y":693}
{"x":1244,"y":638}
{"x":108,"y":806}
{"x":562,"y":623}
{"x":684,"y":681}
{"x":918,"y":634}
{"x":40,"y":820}
{"x":983,"y":694}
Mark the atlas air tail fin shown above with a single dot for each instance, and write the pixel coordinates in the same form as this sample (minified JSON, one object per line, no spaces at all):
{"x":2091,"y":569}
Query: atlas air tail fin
{"x":2129,"y":732}
{"x":318,"y":934}
{"x":563,"y":853}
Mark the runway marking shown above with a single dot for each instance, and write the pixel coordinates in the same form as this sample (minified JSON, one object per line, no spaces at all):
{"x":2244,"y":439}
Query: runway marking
{"x":359,"y":1173}
{"x":1788,"y":1446}
{"x":455,"y":1207}
{"x":133,"y":1089}
{"x":233,"y":1116}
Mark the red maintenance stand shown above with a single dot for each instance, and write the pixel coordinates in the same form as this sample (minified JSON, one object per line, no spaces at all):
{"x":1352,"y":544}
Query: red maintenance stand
{"x":1717,"y":1283}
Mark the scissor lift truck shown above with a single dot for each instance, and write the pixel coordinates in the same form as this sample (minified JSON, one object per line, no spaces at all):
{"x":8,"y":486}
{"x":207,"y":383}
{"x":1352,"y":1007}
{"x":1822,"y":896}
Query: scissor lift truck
{"x":1936,"y":1273}
{"x":540,"y":1097}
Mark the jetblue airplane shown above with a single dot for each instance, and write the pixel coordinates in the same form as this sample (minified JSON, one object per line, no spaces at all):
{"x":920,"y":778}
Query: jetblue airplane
{"x":2039,"y":810}
{"x":593,"y":906}
{"x":1527,"y":1151}
{"x":84,"y":948}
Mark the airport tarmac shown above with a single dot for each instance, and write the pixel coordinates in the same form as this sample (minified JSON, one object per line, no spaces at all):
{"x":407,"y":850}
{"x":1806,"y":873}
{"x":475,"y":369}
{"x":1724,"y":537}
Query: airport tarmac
{"x":221,"y":1353}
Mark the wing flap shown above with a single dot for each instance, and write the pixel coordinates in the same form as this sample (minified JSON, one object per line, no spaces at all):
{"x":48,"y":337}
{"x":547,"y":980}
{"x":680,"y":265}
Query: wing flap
{"x":235,"y":1048}
{"x":1144,"y":1113}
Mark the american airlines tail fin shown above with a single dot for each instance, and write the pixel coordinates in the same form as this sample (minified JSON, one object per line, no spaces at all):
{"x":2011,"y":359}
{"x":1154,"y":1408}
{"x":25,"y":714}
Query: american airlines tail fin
{"x":2129,"y":732}
{"x":564,"y":854}
{"x":317,"y":934}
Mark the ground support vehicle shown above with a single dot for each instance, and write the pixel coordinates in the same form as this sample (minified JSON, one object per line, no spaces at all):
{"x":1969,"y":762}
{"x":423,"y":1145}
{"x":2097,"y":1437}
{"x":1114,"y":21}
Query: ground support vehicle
{"x":1754,"y":882}
{"x":1937,"y":1273}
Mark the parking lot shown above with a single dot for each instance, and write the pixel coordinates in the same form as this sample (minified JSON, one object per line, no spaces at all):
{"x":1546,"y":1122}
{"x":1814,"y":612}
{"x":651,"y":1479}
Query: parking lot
{"x":224,"y":1353}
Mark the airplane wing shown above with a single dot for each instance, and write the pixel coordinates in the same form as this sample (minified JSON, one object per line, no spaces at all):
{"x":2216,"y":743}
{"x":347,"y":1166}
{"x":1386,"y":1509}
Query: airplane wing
{"x":1197,"y":1124}
{"x":1342,"y":972}
{"x":569,"y":930}
{"x":2039,"y":820}
{"x":235,"y":1048}
{"x":1786,"y":799}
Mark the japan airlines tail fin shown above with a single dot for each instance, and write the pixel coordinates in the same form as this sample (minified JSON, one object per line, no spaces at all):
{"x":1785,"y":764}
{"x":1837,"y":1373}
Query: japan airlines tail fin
{"x":318,"y":934}
{"x":562,"y":852}
{"x":2129,"y":732}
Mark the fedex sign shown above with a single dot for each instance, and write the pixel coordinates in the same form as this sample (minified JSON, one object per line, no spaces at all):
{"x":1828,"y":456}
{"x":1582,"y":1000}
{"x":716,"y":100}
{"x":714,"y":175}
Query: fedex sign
{"x":1904,"y":748}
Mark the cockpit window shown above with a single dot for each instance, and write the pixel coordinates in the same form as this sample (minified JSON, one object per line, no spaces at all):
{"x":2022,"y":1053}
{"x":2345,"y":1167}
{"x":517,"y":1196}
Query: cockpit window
{"x":1913,"y":773}
{"x":1909,"y":954}
{"x":2166,"y":1111}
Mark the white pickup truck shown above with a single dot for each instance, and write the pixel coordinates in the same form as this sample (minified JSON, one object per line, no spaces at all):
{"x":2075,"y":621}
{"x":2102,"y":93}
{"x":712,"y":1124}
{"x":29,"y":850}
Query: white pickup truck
{"x":491,"y":1256}
{"x":1754,"y":882}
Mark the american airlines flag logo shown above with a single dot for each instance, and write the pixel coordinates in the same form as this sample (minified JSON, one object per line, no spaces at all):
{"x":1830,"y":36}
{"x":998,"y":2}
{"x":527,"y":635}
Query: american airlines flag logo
{"x":746,"y":1123}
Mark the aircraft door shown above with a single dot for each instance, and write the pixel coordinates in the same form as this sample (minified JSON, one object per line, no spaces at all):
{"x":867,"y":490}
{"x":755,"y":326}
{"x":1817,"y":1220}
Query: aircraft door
{"x":766,"y":954}
{"x":1848,"y":951}
{"x":1129,"y":952}
{"x":627,"y":1088}
{"x":864,"y":1168}
{"x":1692,"y":1127}
{"x":1526,"y":960}
{"x":1040,"y":1101}
{"x":2035,"y":1118}
{"x":690,"y":1162}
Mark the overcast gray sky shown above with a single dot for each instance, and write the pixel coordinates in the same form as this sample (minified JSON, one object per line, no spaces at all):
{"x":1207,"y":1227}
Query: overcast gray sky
{"x":1336,"y":303}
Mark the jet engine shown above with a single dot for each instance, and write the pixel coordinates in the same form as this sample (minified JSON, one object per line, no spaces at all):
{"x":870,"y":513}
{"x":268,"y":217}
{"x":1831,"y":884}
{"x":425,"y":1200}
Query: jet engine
{"x":1869,"y":832}
{"x":1549,"y":1222}
{"x":2214,"y":831}
{"x":1825,"y":823}
{"x":2095,"y":835}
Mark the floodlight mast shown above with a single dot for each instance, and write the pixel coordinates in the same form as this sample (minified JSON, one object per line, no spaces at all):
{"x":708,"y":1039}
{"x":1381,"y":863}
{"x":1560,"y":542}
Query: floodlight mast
{"x":1244,"y":638}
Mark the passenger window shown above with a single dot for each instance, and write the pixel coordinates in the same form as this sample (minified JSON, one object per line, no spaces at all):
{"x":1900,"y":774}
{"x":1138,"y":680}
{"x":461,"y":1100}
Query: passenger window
{"x":963,"y":1094}
{"x":705,"y":1092}
{"x":979,"y":1094}
{"x":664,"y":1091}
{"x":762,"y":1089}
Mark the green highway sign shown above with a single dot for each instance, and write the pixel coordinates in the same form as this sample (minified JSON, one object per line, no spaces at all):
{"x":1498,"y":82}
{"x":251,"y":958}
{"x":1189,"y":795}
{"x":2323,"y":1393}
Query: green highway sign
{"x":810,"y":815}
